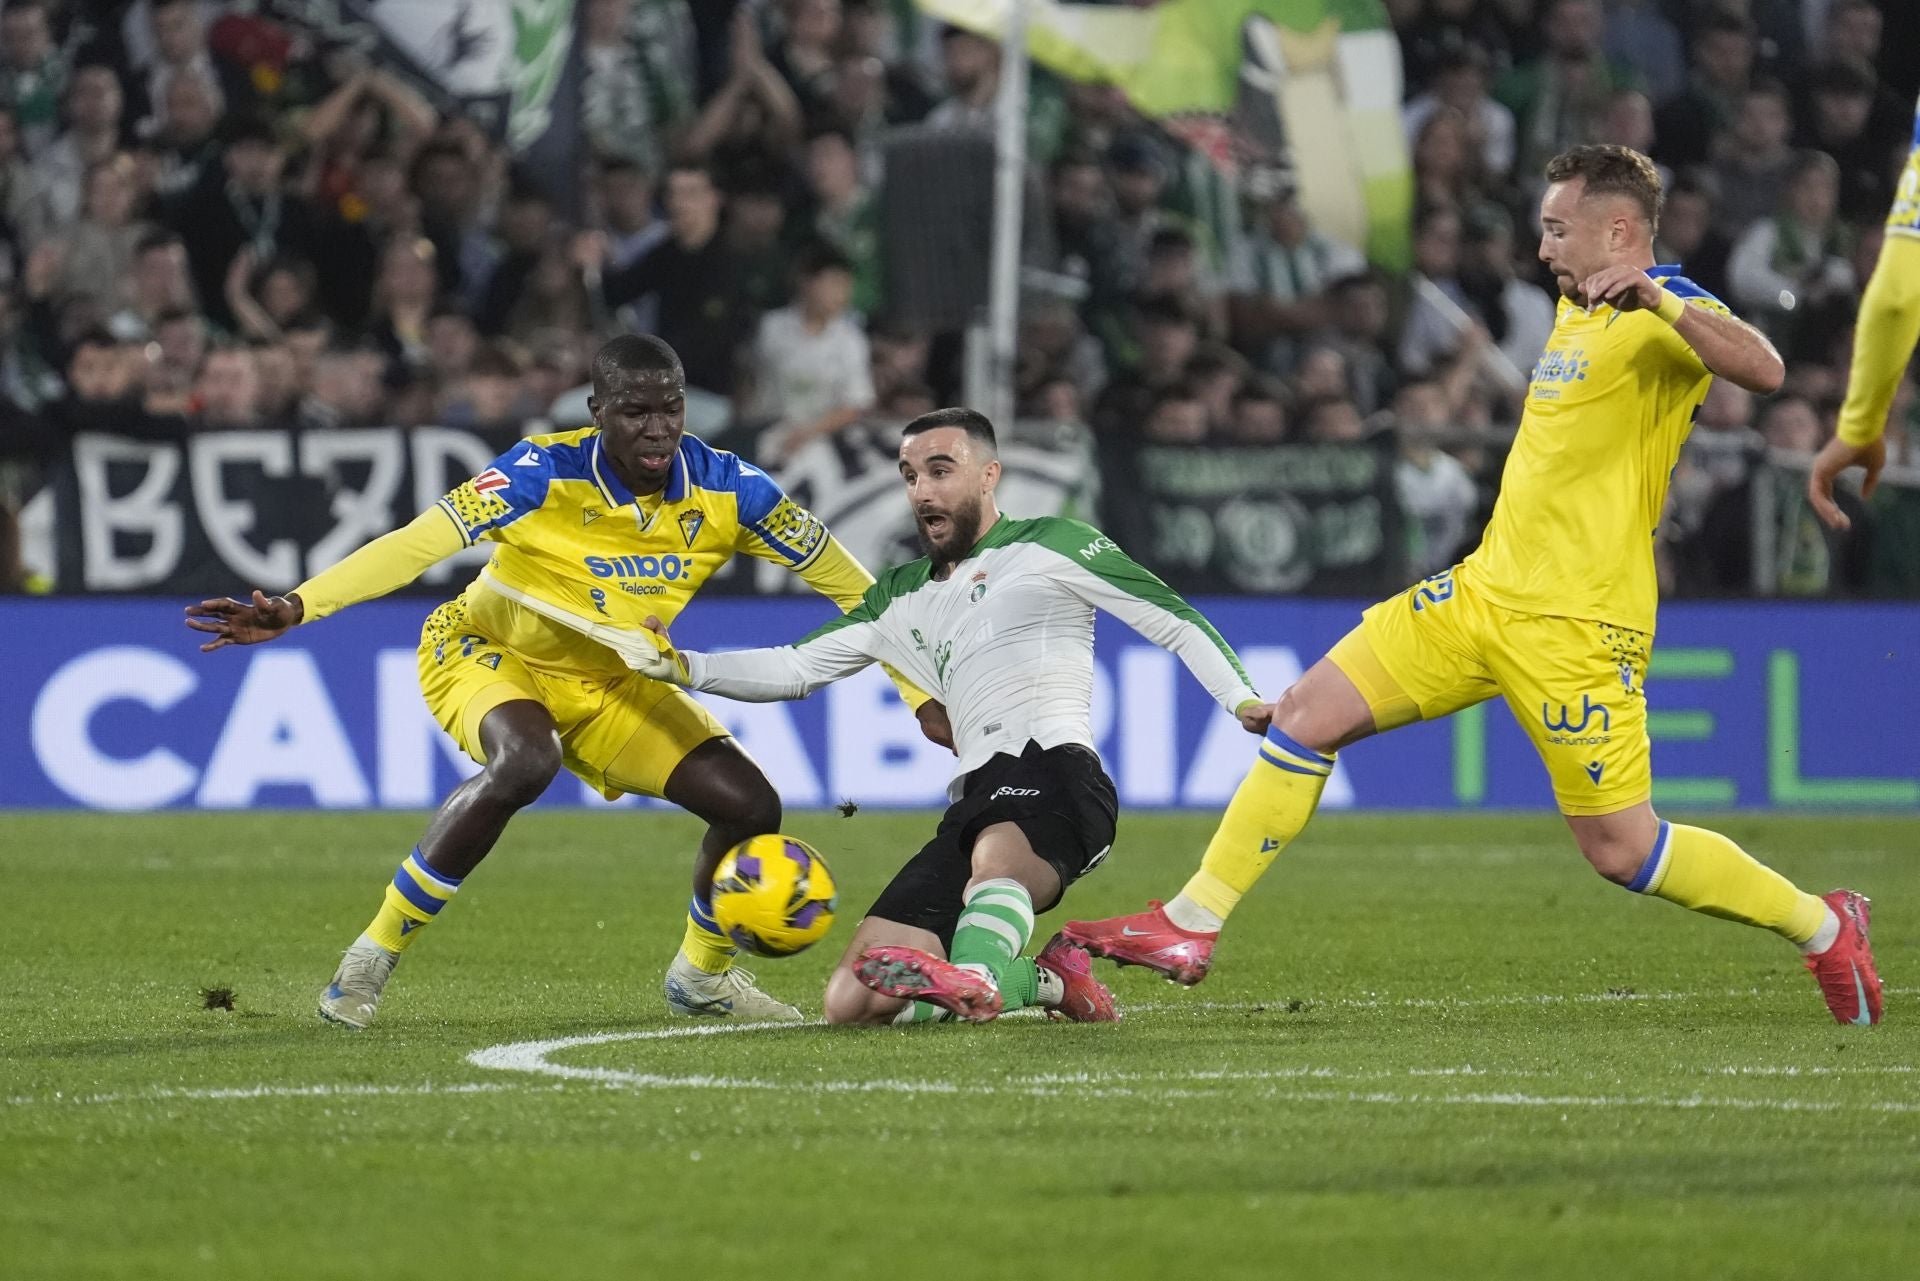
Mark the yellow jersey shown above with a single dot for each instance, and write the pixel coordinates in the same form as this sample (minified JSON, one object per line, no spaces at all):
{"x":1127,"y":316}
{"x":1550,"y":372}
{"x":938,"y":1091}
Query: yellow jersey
{"x":1609,"y":404}
{"x":1904,"y":218}
{"x":567,"y":531}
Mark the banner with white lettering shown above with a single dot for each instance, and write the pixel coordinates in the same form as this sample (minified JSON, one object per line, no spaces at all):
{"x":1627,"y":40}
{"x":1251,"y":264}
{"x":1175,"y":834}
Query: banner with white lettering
{"x":223,"y":511}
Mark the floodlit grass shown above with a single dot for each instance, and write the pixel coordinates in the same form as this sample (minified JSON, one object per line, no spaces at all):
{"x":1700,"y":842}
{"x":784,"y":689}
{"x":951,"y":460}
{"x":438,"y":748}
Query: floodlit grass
{"x":1431,"y":1047}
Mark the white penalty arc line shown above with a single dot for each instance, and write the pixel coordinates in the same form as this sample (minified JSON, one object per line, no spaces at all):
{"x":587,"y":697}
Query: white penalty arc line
{"x":535,"y":1057}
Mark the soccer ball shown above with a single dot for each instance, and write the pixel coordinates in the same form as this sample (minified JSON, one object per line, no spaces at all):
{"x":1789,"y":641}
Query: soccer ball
{"x":773,"y":895}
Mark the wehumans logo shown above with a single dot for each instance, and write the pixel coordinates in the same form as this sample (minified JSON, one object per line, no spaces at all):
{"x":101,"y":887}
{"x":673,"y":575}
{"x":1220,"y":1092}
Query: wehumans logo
{"x":1562,"y":729}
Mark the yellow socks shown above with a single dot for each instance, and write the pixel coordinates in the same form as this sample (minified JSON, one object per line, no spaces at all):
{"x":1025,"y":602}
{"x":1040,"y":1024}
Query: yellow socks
{"x":704,"y":946}
{"x":413,"y":899}
{"x":1269,"y":809}
{"x":1708,"y":873}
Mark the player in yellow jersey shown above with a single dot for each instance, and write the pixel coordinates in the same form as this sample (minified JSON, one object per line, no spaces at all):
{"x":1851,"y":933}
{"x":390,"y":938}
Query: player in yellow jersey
{"x":1554,"y":612}
{"x":620,"y":521}
{"x":1883,"y":341}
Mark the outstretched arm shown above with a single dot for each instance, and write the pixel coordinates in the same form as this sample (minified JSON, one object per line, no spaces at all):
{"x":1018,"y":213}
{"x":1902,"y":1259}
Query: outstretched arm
{"x":383,"y":565}
{"x":771,"y":675}
{"x":1099,"y":573}
{"x":1729,"y":347}
{"x":1883,"y":343}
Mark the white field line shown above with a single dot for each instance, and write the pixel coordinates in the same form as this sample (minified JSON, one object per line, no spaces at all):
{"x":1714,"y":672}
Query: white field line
{"x":533,"y":1057}
{"x":1464,"y":1002}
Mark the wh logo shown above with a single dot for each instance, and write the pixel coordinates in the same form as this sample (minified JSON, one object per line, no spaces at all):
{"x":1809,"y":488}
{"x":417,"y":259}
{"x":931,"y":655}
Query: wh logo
{"x":1565,"y":724}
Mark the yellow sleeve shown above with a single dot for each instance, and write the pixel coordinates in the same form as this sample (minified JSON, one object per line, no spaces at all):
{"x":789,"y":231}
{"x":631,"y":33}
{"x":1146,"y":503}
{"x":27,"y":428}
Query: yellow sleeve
{"x":386,"y":564}
{"x":1883,"y":340}
{"x":835,"y":574}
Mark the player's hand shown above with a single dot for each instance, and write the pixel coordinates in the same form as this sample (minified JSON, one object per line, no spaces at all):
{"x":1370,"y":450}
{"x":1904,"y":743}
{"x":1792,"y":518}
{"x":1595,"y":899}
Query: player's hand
{"x":1622,"y":288}
{"x":1835,"y":457}
{"x":932,"y":716}
{"x":1254,"y":716}
{"x":244,"y":622}
{"x":662,"y":664}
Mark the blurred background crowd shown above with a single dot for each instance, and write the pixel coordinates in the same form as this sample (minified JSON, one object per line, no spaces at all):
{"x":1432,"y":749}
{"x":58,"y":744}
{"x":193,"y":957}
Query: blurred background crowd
{"x":227,"y":216}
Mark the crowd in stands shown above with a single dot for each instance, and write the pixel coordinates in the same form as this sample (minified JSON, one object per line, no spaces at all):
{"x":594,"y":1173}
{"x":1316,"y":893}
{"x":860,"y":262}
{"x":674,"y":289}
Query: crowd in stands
{"x":216,"y":217}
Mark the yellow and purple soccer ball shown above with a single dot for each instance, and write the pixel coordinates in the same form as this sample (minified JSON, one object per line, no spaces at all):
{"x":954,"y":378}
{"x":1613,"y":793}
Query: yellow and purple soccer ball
{"x":773,"y":895}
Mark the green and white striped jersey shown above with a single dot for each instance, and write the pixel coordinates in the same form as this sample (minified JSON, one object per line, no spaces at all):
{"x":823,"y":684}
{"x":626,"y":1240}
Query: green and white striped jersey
{"x":1005,"y":640}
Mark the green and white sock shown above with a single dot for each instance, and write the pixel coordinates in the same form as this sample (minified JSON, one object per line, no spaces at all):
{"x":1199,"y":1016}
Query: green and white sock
{"x":995,"y":924}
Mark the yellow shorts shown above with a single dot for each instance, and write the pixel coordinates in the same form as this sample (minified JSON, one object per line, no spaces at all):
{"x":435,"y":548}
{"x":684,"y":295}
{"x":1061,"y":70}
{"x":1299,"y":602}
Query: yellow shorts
{"x":1577,"y":687}
{"x":622,"y":733}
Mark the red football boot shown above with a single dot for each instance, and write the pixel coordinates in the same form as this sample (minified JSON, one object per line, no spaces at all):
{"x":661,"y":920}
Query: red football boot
{"x":915,"y":975}
{"x":1147,"y":938}
{"x":1087,"y":999}
{"x":1845,"y":970}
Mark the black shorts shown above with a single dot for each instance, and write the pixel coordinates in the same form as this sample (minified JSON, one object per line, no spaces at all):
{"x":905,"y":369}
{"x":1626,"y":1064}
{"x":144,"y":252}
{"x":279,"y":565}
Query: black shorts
{"x":1059,"y":797}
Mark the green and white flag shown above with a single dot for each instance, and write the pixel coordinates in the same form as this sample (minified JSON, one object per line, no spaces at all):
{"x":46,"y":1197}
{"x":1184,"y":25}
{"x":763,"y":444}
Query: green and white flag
{"x":1309,"y":88}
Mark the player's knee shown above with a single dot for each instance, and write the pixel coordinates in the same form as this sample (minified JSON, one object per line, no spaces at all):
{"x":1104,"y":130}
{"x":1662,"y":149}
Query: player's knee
{"x":1616,"y":859}
{"x":1304,"y":720}
{"x":760,"y":808}
{"x":849,"y":1002}
{"x":521,"y":771}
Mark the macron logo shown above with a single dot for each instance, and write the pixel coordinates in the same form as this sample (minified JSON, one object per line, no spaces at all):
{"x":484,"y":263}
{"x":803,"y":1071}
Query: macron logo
{"x":531,"y":459}
{"x":1098,"y":545}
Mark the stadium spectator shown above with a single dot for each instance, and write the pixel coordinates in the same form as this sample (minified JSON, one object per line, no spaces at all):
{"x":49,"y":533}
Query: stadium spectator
{"x":1362,"y":316}
{"x":33,"y":71}
{"x":92,"y":136}
{"x":1836,"y":119}
{"x":635,"y":94}
{"x":1807,"y":558}
{"x":186,"y":144}
{"x":1054,"y":345}
{"x":753,"y":112}
{"x":1690,"y":235}
{"x":1461,"y":82}
{"x":812,"y":374}
{"x":1637,"y":34}
{"x":24,"y":215}
{"x":1164,"y":336}
{"x":157,"y":284}
{"x":372,"y":112}
{"x":805,"y":57}
{"x":1628,"y":122}
{"x":1440,"y":306}
{"x":97,"y":251}
{"x":970,"y":65}
{"x":226,"y":395}
{"x":844,"y":214}
{"x":1754,"y":157}
{"x":1557,"y":98}
{"x":180,"y":49}
{"x":1444,"y":31}
{"x":1436,"y":492}
{"x":1792,"y":274}
{"x":1517,"y":313}
{"x":1216,"y":374}
{"x":1278,"y":276}
{"x":1724,"y":51}
{"x":343,"y":390}
{"x":403,"y":302}
{"x":1259,"y":416}
{"x":1332,"y":420}
{"x":1177,"y":417}
{"x":694,"y":277}
{"x":449,"y":177}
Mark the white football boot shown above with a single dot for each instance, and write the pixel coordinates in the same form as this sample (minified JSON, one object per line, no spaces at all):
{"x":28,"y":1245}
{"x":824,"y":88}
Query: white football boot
{"x":355,"y":991}
{"x":729,"y":994}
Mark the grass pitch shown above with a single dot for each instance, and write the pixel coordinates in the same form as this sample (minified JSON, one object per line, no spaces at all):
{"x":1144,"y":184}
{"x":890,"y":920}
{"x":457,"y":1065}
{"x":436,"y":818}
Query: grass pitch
{"x":1431,"y":1047}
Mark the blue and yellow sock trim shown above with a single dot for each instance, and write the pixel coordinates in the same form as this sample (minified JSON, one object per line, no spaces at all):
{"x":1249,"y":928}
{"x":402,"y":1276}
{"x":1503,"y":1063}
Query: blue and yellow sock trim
{"x":1290,"y":756}
{"x":1647,"y":879}
{"x":701,"y":914}
{"x":423,"y":887}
